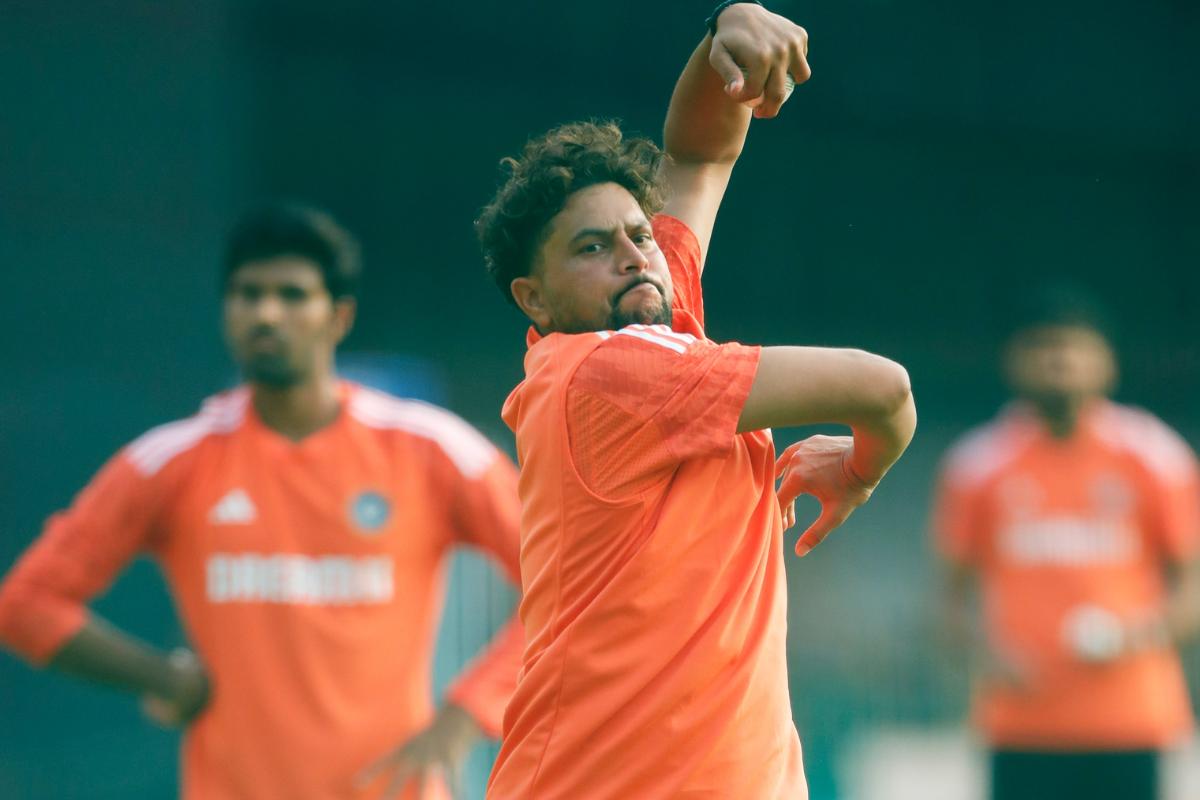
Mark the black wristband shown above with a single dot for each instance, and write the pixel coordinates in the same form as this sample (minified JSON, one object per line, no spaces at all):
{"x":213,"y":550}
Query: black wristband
{"x":711,"y":22}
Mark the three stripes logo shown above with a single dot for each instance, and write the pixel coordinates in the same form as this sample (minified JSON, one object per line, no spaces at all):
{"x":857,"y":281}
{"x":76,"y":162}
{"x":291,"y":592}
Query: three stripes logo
{"x":235,"y":508}
{"x":660,"y":335}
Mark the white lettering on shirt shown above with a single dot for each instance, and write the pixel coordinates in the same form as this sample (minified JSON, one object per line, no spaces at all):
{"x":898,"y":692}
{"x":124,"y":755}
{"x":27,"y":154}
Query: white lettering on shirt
{"x":1069,"y":541}
{"x":299,"y":580}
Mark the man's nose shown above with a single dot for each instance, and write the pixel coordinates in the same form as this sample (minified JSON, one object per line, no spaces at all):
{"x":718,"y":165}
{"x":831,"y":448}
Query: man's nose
{"x":631,"y":258}
{"x":269,"y":309}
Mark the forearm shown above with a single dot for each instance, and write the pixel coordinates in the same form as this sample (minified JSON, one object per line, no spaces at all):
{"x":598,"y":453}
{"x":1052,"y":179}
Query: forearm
{"x":1179,"y":622}
{"x":704,"y":126}
{"x":101,"y":653}
{"x":959,"y":624}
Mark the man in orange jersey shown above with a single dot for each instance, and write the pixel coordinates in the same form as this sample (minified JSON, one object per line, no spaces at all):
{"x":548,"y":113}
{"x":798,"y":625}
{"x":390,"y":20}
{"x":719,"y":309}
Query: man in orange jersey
{"x":651,"y":532}
{"x":1080,"y":520}
{"x":303,"y":524}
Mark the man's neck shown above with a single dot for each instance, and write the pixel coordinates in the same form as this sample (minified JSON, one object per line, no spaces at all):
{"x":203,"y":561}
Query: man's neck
{"x":297,"y":411}
{"x":1061,"y":415}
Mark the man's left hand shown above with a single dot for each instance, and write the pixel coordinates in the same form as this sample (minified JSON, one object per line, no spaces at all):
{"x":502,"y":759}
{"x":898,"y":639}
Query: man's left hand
{"x":440,"y":748}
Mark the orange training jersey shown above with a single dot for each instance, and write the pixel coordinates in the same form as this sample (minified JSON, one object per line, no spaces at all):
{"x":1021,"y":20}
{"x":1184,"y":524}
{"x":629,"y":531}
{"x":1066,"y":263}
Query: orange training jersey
{"x":652,"y":561}
{"x":308,"y":575}
{"x":1054,"y":527}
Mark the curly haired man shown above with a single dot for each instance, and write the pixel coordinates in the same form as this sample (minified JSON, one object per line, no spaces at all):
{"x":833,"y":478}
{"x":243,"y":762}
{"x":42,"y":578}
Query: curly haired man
{"x":651,"y":532}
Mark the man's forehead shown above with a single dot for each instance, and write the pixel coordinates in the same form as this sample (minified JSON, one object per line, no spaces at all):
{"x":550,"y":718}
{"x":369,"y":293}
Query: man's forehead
{"x":278,"y":269}
{"x":605,"y":206}
{"x":1061,"y":332}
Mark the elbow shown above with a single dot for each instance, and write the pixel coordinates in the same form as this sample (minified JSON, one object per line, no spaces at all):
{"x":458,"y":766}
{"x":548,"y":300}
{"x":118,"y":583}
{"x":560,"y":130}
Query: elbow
{"x":11,"y":614}
{"x":890,"y":384}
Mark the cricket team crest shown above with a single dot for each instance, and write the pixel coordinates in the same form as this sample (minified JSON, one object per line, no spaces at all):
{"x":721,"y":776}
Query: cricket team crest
{"x":370,"y":511}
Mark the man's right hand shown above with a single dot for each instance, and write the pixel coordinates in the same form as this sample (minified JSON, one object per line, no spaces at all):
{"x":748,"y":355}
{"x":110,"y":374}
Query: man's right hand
{"x":754,"y":51}
{"x":190,"y":690}
{"x":1002,"y":669}
{"x":819,"y":466}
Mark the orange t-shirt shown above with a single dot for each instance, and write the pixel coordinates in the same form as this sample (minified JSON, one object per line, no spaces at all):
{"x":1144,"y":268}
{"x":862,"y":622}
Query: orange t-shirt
{"x":1053,"y":527}
{"x":654,"y":600}
{"x":309,"y":577}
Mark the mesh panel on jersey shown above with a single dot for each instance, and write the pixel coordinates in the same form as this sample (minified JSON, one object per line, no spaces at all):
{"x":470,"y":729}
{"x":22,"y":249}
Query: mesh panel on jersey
{"x":615,"y":453}
{"x":636,"y":408}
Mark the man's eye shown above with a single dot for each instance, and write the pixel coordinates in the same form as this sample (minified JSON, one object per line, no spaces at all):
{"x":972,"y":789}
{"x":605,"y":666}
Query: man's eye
{"x":292,"y":294}
{"x":249,"y":294}
{"x":643,"y":238}
{"x":594,"y":247}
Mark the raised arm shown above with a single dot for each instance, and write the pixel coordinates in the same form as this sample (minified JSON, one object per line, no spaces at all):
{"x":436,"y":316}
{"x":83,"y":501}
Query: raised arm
{"x":706,"y":121}
{"x":810,"y":385}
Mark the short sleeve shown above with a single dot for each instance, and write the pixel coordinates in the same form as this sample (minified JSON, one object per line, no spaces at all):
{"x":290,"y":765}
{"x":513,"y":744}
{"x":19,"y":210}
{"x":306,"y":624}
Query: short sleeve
{"x":1172,"y":481}
{"x":647,"y":399}
{"x":43,"y":600}
{"x":480,"y":486}
{"x":957,"y":518}
{"x":488,"y":509}
{"x":682,"y":251}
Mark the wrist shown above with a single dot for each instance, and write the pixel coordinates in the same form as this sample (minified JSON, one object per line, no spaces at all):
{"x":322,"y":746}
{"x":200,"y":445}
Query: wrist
{"x":1145,"y":635}
{"x":711,"y":22}
{"x":852,"y":475}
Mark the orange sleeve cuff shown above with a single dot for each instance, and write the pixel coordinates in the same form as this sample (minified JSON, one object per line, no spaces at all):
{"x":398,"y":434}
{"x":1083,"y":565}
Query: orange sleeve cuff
{"x":484,"y":688}
{"x":35,"y":626}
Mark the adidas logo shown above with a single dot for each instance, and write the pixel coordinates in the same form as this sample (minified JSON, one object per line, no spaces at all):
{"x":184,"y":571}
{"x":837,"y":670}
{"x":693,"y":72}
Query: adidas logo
{"x":235,"y":508}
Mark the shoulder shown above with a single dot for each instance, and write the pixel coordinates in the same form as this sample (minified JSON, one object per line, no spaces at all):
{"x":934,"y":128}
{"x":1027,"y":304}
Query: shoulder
{"x":158,"y":447}
{"x":468,"y":449}
{"x":1151,"y":442}
{"x":982,"y":453}
{"x":634,"y":352}
{"x":671,"y":232}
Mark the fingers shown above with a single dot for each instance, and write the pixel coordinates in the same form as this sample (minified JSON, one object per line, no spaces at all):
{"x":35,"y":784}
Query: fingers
{"x":791,"y":488}
{"x":831,"y":517}
{"x":785,"y":458}
{"x":423,"y":781}
{"x":372,"y":771}
{"x":401,"y":777}
{"x":798,"y":52}
{"x":789,"y":514}
{"x":724,"y":65}
{"x":754,"y":79}
{"x":775,"y":93}
{"x":159,"y":711}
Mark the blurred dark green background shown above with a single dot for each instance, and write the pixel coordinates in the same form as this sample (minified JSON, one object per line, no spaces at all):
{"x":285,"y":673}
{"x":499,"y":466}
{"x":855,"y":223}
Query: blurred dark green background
{"x":945,"y":156}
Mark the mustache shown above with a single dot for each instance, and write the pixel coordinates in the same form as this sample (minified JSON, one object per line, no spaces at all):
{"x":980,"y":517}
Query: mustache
{"x":636,"y":282}
{"x":263,"y":332}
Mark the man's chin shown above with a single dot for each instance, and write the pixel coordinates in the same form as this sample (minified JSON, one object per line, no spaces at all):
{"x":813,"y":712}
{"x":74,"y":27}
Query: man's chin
{"x":270,"y":373}
{"x":656,"y":316}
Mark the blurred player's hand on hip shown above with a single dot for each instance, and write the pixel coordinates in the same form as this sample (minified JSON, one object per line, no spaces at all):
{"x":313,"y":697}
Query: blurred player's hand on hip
{"x":440,"y":748}
{"x":189,"y":696}
{"x":1001,"y":668}
{"x":755,"y":52}
{"x":820,"y":466}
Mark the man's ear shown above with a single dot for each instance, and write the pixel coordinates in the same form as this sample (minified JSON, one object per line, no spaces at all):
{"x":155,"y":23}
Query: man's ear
{"x":344,"y":311}
{"x":527,"y":292}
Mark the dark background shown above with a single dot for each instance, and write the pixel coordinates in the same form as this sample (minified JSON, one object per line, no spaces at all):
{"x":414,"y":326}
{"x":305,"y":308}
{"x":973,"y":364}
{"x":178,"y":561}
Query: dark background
{"x":945,"y":157}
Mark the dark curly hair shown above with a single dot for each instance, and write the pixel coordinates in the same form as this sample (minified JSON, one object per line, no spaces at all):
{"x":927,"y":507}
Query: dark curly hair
{"x":291,"y":229}
{"x":550,"y":169}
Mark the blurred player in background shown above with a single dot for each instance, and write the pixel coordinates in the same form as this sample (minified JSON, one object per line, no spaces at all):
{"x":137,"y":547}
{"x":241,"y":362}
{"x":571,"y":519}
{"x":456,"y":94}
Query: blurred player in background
{"x":1078,"y":519}
{"x":303,"y":525}
{"x":652,"y":535}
